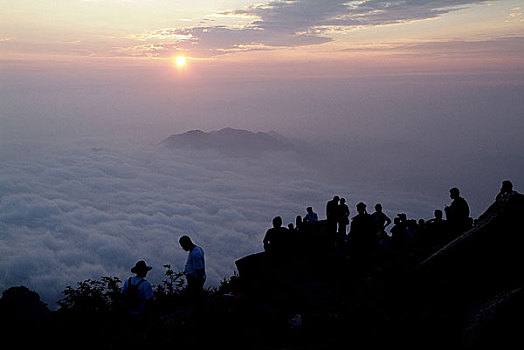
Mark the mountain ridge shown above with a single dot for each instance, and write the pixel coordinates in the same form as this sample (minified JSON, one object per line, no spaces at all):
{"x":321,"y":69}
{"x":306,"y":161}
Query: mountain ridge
{"x":238,"y":142}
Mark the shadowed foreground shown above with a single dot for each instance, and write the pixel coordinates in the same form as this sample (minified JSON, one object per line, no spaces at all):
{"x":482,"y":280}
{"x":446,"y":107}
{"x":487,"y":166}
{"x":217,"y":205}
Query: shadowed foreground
{"x":466,"y":292}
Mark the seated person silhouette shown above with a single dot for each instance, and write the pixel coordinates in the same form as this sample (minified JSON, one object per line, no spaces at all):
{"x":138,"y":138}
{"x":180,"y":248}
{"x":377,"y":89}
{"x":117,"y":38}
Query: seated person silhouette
{"x":436,"y":229}
{"x":311,"y":216}
{"x":277,"y":240}
{"x":506,"y":190}
{"x":457,"y":213}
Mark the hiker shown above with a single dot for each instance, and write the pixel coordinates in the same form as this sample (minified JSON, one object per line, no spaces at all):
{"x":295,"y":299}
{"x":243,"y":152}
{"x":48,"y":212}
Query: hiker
{"x":400,"y":236}
{"x":362,"y":236}
{"x":311,"y":216}
{"x":343,"y":219}
{"x":457,"y":213}
{"x":195,"y":269}
{"x":332,"y":214}
{"x":362,"y":240}
{"x":277,"y":239}
{"x":298,"y":223}
{"x":506,"y":190}
{"x":137,"y":290}
{"x":436,"y":229}
{"x":380,"y":219}
{"x":437,"y":220}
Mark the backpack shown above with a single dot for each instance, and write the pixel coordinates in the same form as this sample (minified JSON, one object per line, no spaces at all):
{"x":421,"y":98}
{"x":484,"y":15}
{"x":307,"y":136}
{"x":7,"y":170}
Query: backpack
{"x":131,"y":296}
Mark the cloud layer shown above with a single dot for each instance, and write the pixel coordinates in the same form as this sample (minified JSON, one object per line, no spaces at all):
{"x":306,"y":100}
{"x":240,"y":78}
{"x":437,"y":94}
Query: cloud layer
{"x":90,"y":209}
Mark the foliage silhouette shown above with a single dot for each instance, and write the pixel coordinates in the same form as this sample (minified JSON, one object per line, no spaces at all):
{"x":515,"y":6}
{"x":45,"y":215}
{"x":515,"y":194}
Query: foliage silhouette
{"x":92,"y":296}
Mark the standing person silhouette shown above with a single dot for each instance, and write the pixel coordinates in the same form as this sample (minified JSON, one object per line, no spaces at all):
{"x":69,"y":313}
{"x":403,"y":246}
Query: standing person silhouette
{"x":137,"y":289}
{"x":137,"y":293}
{"x":362,"y":235}
{"x":362,"y":238}
{"x":343,"y":220}
{"x":332,"y":214}
{"x":381,"y":220}
{"x":195,"y":269}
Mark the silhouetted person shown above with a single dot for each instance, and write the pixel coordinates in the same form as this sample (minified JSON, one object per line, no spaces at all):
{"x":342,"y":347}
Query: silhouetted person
{"x":457,"y":213}
{"x":399,"y":234}
{"x":298,"y":223}
{"x":436,"y":229}
{"x":137,"y":293}
{"x":381,"y":220}
{"x":137,"y":290}
{"x":311,"y":216}
{"x":277,"y":240}
{"x":332,"y":214}
{"x":343,"y":219}
{"x":195,"y":268}
{"x":362,"y":237}
{"x":437,"y":219}
{"x":506,"y":190}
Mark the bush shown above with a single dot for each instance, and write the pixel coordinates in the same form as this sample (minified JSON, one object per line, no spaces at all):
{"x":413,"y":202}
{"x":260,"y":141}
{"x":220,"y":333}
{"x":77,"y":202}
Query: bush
{"x":92,"y":296}
{"x":173,"y":285}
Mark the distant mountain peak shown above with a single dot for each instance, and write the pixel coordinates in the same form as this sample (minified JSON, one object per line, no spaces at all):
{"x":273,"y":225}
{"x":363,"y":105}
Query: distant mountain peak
{"x":196,"y":131}
{"x":230,"y":141}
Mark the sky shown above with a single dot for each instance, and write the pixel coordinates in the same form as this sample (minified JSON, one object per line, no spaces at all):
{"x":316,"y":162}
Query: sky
{"x":252,"y":64}
{"x":405,"y":98}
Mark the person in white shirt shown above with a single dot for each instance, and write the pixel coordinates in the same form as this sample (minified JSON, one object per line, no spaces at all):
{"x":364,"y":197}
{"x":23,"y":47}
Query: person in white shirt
{"x":195,"y":269}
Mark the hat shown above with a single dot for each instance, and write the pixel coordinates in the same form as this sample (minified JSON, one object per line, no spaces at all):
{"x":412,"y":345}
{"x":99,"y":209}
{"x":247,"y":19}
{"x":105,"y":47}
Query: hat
{"x":140,"y":266}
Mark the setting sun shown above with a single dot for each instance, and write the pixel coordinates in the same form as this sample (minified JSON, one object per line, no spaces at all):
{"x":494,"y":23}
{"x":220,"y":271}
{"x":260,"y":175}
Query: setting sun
{"x":180,"y":61}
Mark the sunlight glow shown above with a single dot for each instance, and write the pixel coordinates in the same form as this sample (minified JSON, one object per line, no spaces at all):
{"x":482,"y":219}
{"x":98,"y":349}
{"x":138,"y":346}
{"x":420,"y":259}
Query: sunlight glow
{"x":180,"y":61}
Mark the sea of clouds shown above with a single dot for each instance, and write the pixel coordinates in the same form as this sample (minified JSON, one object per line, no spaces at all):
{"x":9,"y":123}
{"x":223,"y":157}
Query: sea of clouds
{"x":88,"y":208}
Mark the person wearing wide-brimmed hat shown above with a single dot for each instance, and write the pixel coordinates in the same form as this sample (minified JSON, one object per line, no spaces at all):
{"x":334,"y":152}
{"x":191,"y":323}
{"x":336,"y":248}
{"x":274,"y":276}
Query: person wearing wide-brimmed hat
{"x":139,"y":285}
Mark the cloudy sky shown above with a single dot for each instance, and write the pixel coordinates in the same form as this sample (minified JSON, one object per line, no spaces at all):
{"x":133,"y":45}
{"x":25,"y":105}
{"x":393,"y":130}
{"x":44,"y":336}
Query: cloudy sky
{"x":405,"y":98}
{"x":301,"y":67}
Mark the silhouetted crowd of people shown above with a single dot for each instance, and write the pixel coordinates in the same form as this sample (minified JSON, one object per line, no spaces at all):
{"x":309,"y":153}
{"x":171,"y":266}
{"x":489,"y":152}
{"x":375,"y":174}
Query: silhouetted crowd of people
{"x":366,"y":242}
{"x":367,"y":237}
{"x":367,"y":247}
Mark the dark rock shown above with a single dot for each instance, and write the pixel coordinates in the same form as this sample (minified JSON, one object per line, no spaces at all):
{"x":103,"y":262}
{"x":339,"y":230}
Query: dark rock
{"x":487,"y":258}
{"x":470,"y":285}
{"x":496,"y":323}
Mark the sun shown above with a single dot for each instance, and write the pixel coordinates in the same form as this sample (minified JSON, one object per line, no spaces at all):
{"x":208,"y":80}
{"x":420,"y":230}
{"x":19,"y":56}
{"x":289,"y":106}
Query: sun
{"x":180,"y":61}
